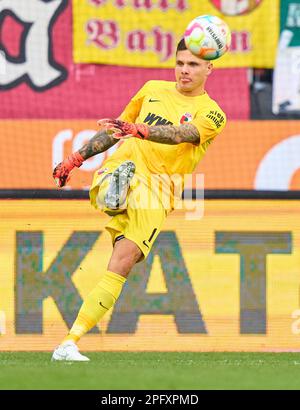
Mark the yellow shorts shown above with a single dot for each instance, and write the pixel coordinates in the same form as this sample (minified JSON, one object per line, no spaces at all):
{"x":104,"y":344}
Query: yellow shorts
{"x":143,"y":216}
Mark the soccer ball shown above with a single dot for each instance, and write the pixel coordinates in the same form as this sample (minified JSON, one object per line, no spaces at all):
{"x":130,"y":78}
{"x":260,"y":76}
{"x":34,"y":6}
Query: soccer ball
{"x":208,"y":37}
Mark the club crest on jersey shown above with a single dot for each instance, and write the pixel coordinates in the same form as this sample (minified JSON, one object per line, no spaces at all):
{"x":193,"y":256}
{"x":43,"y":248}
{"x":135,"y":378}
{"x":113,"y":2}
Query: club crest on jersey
{"x":187,"y":117}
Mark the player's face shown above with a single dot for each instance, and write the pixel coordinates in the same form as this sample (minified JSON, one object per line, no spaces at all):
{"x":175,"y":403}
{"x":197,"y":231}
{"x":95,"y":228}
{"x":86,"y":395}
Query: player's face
{"x":191,"y":73}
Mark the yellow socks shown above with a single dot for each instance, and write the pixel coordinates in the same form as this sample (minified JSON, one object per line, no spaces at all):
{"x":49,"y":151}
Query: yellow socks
{"x":97,"y":303}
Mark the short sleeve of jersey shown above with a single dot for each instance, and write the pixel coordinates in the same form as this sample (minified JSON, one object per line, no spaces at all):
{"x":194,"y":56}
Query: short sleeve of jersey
{"x":132,"y":110}
{"x":209,"y":122}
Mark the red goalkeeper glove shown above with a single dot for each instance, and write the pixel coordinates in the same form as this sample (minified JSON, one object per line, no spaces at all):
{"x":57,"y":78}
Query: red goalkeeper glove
{"x":121,"y":129}
{"x":62,"y":170}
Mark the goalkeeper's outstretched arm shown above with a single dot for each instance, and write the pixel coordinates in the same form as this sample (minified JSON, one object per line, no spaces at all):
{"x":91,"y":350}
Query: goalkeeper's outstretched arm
{"x":172,"y":134}
{"x":100,"y":142}
{"x":164,"y":134}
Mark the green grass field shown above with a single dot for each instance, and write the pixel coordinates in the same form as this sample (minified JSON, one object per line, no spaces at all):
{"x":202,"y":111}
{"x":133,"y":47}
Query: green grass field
{"x":112,"y":371}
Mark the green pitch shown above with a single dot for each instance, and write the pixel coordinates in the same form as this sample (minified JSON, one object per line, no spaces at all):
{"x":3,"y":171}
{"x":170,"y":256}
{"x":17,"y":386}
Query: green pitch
{"x":112,"y":371}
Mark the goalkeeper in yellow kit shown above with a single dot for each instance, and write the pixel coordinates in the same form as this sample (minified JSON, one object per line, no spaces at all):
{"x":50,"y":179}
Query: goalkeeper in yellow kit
{"x":167,"y":127}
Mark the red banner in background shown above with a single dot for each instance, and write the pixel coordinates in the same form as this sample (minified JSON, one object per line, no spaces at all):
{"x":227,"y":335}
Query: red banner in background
{"x":69,"y":90}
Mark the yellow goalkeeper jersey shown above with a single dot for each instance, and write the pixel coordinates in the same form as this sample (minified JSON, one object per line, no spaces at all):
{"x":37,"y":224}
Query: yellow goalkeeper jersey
{"x":158,"y":103}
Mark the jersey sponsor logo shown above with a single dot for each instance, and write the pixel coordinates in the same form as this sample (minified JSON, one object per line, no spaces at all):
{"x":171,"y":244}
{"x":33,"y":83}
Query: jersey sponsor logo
{"x":187,"y":117}
{"x":216,"y":117}
{"x":153,"y":119}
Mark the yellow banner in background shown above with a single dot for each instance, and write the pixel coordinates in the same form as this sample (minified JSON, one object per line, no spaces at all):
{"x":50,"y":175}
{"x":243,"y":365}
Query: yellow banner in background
{"x":228,"y":281}
{"x":144,"y":33}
